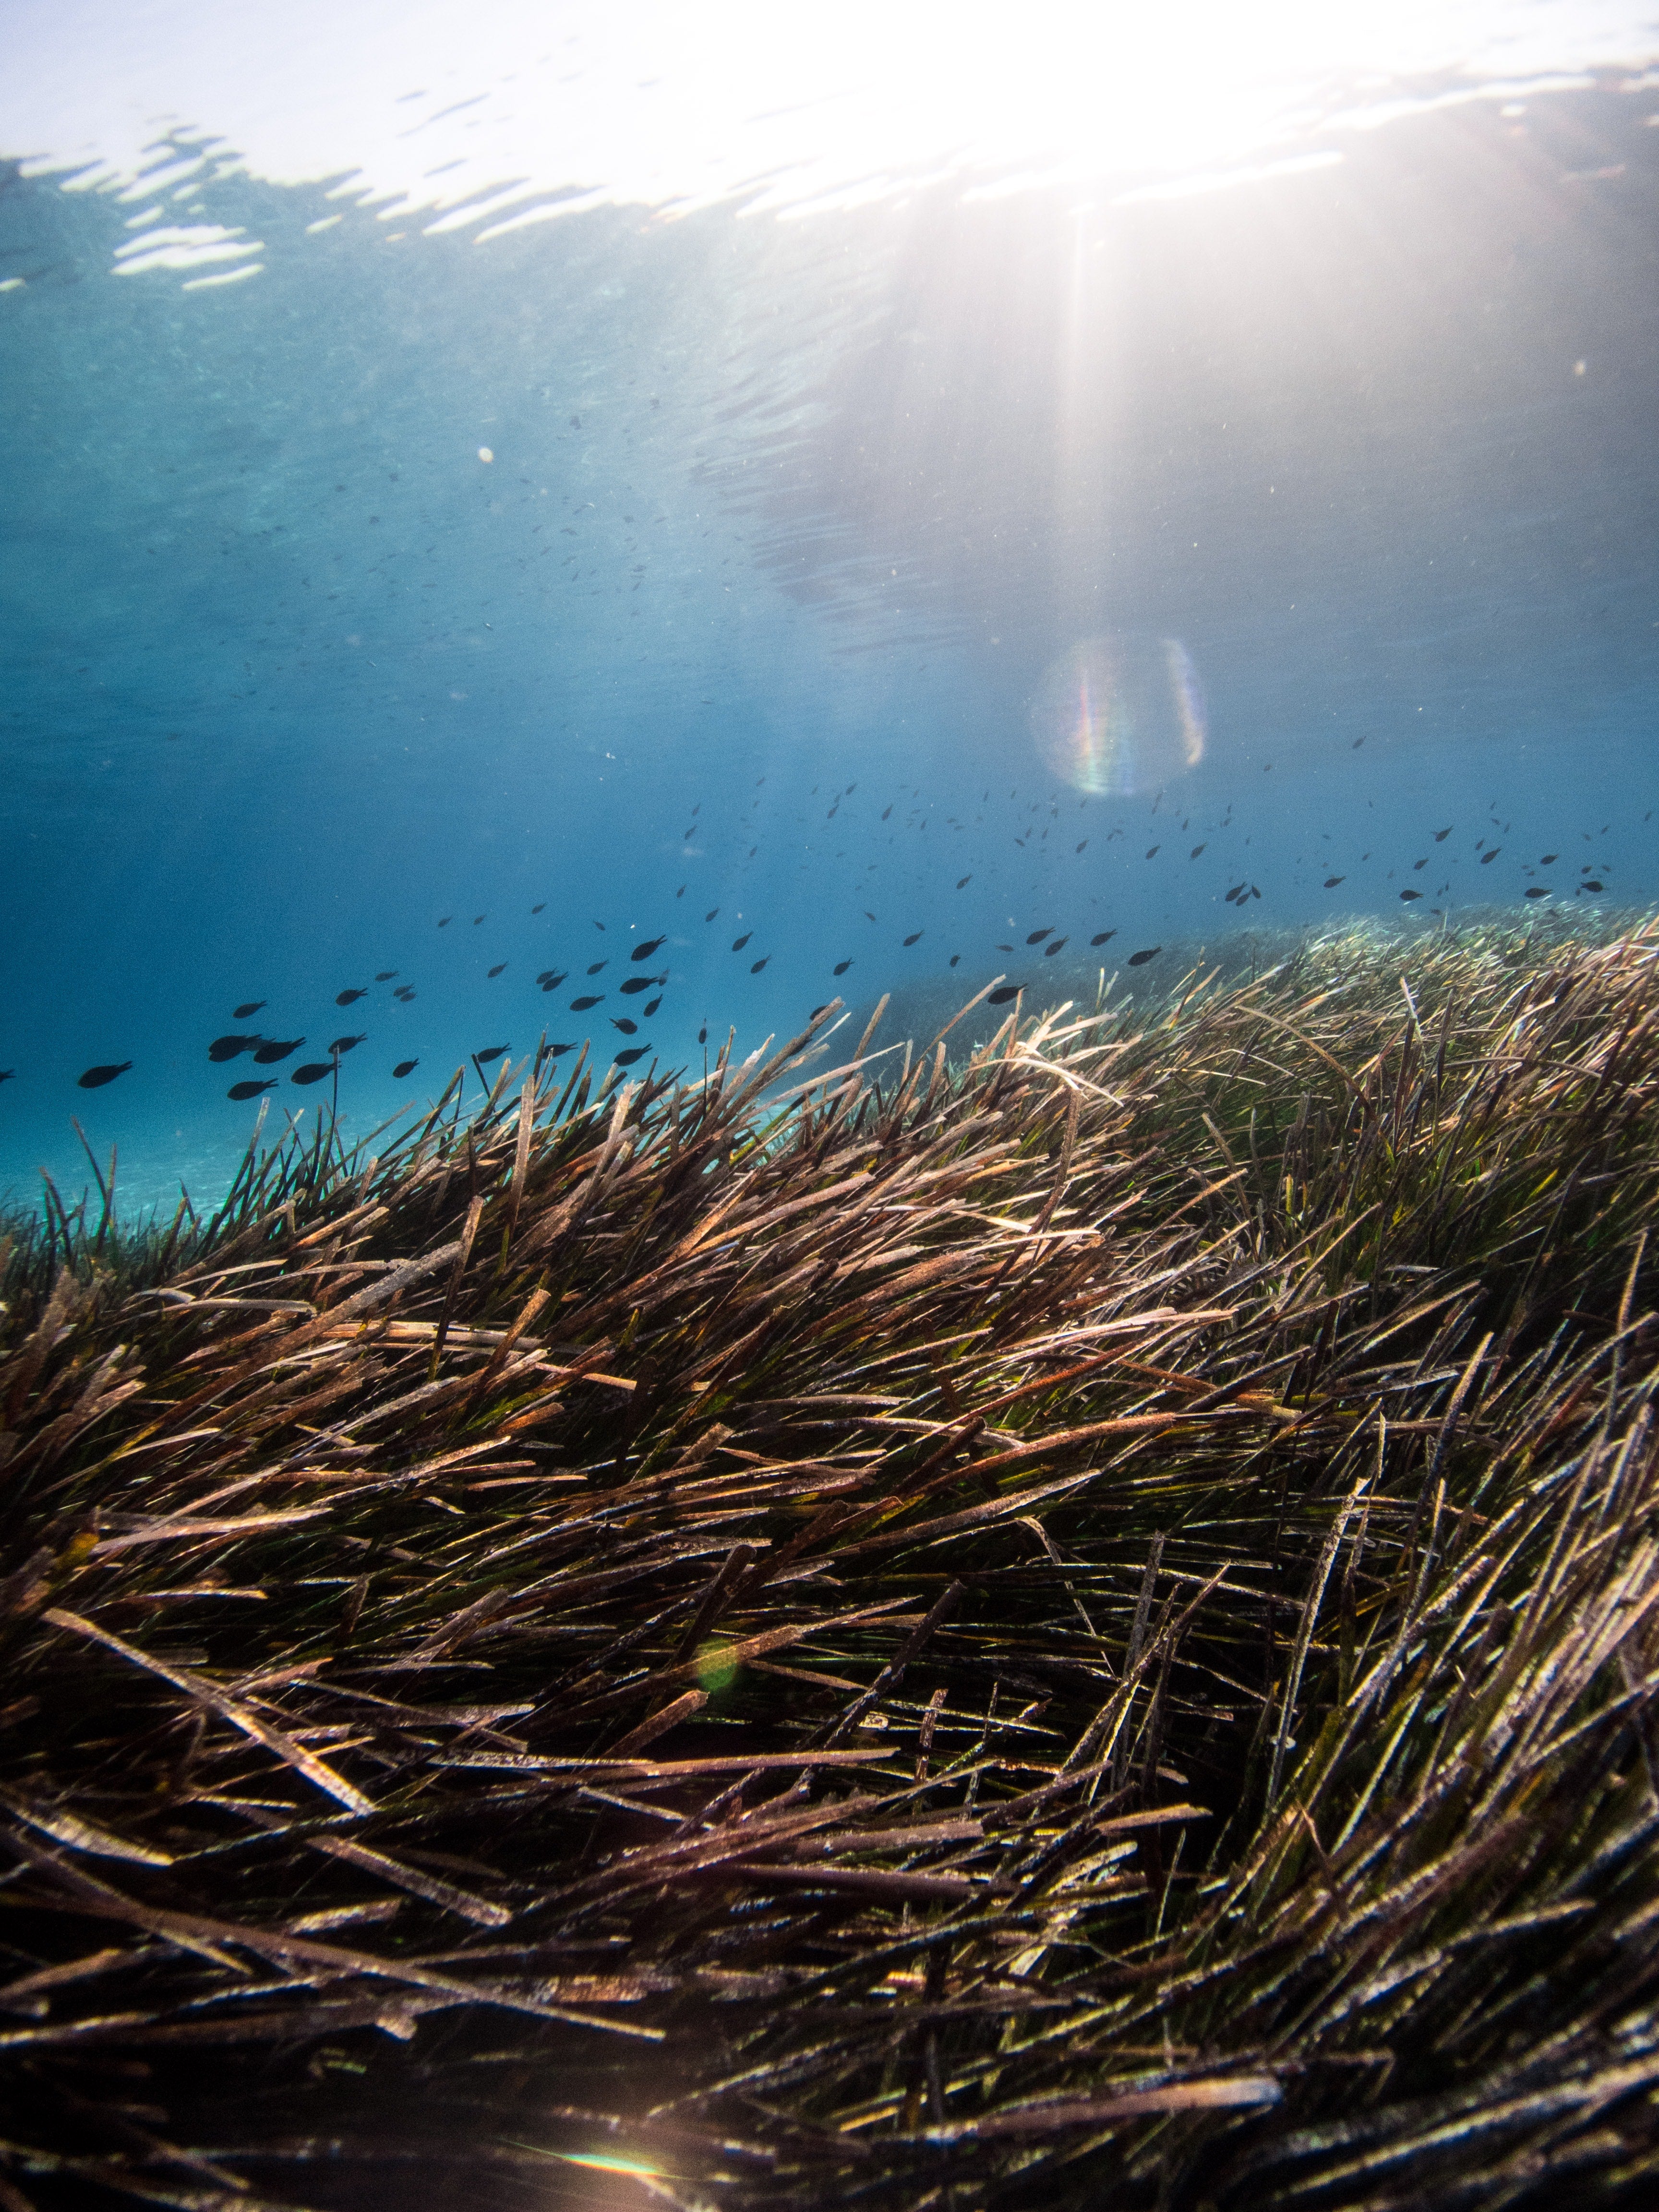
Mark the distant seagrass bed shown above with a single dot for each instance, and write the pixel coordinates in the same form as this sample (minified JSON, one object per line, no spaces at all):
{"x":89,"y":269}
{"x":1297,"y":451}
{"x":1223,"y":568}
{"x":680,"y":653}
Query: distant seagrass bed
{"x":1066,"y":1614}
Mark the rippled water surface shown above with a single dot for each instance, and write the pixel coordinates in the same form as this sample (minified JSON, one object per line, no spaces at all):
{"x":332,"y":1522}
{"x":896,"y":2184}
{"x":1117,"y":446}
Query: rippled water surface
{"x":715,"y":501}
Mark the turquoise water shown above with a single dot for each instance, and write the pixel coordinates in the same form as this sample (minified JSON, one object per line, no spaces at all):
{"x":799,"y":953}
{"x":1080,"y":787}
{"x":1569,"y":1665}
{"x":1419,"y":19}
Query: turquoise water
{"x":879,"y":582}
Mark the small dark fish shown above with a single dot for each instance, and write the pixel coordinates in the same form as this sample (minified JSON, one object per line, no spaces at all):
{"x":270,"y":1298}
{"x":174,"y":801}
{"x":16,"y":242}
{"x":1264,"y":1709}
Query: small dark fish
{"x":915,"y":937}
{"x":1081,"y":843}
{"x":1238,"y":891}
{"x":1440,"y":835}
{"x":600,"y":926}
{"x":737,"y":943}
{"x":269,"y":1054}
{"x":1152,"y":851}
{"x":885,"y":811}
{"x":580,"y":1005}
{"x":1001,"y":998}
{"x":444,"y":923}
{"x":635,"y":1052}
{"x":492,"y":1052}
{"x":1423,"y":863}
{"x":1592,"y":885}
{"x":955,"y":956}
{"x":1005,"y":948}
{"x":644,"y":952}
{"x":1492,"y":856}
{"x":476,"y":919}
{"x":712,"y":912}
{"x":702,"y":1034}
{"x":842,"y":967}
{"x":1254,"y":893}
{"x":1549,"y":860}
{"x":598,"y":964}
{"x":347,"y":998}
{"x":1331,"y":882}
{"x":1407,"y":896}
{"x":636,"y":984}
{"x":1037,"y":936}
{"x":558,"y":1051}
{"x":245,"y":1013}
{"x":1196,"y":850}
{"x":1049,"y":950}
{"x":404,"y":1067}
{"x":227,"y":1048}
{"x":755,"y":966}
{"x":499,"y":969}
{"x":1357,"y":744}
{"x":816,"y":1011}
{"x":240,"y":1090}
{"x":1140,"y":959}
{"x":346,"y":1044}
{"x":961,"y":880}
{"x":387,"y":975}
{"x":1539,"y":890}
{"x":406,"y":992}
{"x":681,"y":892}
{"x":649,"y":1011}
{"x":7,"y":1074}
{"x":868,"y":915}
{"x":314,"y":1070}
{"x":534,"y":909}
{"x":1102,"y":936}
{"x":627,"y":1028}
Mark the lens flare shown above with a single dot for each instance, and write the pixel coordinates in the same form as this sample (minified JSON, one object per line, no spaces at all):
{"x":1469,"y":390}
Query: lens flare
{"x":1120,"y":714}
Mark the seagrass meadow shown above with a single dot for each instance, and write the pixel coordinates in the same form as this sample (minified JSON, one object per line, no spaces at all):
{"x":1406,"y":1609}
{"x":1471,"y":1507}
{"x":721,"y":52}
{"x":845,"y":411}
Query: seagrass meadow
{"x":1068,"y":1623}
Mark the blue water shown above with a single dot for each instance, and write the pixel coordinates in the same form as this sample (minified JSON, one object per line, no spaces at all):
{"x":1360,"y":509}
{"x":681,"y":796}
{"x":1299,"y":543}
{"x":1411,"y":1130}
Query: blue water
{"x":627,"y":570}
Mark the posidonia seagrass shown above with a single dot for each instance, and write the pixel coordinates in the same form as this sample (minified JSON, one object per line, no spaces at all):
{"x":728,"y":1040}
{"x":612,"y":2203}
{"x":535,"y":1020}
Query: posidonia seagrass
{"x":1075,"y":1626}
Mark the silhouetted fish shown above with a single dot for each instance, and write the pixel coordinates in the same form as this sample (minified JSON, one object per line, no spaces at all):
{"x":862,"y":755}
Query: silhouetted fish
{"x":1049,"y":950}
{"x":491,"y":1051}
{"x":347,"y":998}
{"x":712,"y":912}
{"x":1238,"y":891}
{"x":1140,"y":959}
{"x":345,"y":1044}
{"x":737,"y":943}
{"x":1549,"y":860}
{"x":644,"y":952}
{"x":915,"y":937}
{"x":885,"y":811}
{"x":755,"y":966}
{"x":842,"y":967}
{"x":1102,"y":936}
{"x":446,"y":921}
{"x":1152,"y":851}
{"x":387,"y":975}
{"x":534,"y":909}
{"x":1492,"y":856}
{"x":245,"y":1013}
{"x":404,"y":1067}
{"x":1331,"y":882}
{"x":868,"y":915}
{"x":314,"y":1070}
{"x":580,"y":1005}
{"x":268,"y":1054}
{"x":1002,"y":996}
{"x":250,"y":1089}
{"x":702,"y":1034}
{"x":7,"y":1074}
{"x":1196,"y":850}
{"x":1407,"y":896}
{"x":227,"y":1048}
{"x":961,"y":880}
{"x":635,"y":1052}
{"x":96,"y":1077}
{"x":597,"y":965}
{"x":1538,"y":890}
{"x":1037,"y":936}
{"x":476,"y":919}
{"x":1592,"y":885}
{"x":406,"y":992}
{"x":627,"y":1028}
{"x":1440,"y":835}
{"x":499,"y":969}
